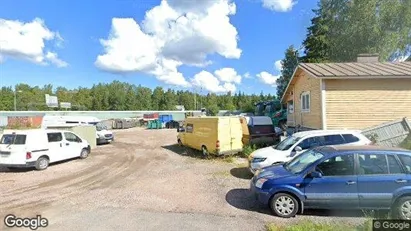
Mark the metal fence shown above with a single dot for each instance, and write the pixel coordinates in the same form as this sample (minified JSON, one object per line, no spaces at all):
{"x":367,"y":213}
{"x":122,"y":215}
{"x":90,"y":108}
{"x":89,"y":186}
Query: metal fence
{"x":389,"y":134}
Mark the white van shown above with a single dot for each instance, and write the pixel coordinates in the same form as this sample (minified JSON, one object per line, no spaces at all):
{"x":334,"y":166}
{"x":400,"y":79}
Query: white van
{"x":301,"y":141}
{"x":38,"y":148}
{"x":103,"y":135}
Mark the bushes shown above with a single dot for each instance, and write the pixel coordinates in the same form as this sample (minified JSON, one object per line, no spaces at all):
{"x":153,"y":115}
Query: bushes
{"x":248,"y":149}
{"x":406,"y":143}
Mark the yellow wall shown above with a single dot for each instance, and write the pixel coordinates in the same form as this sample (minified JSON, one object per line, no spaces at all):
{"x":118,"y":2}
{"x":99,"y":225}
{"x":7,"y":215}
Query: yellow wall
{"x":358,"y":104}
{"x":312,"y":119}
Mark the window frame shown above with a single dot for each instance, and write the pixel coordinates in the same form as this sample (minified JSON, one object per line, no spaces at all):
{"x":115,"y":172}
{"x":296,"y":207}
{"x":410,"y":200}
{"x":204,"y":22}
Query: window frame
{"x":61,"y":135}
{"x":78,"y":139}
{"x":290,"y":107}
{"x":187,"y":130}
{"x":372,"y":175}
{"x":354,"y":172}
{"x":304,"y":106}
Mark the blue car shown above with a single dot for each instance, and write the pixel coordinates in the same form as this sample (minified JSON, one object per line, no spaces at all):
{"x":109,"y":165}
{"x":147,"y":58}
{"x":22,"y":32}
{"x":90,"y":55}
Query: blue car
{"x":344,"y":177}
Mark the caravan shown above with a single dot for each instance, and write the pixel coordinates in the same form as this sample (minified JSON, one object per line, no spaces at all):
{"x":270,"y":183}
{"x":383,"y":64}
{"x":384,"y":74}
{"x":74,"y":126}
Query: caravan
{"x":103,"y":135}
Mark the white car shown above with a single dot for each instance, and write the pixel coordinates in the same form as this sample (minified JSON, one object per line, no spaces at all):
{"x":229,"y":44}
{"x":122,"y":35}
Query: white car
{"x":301,"y":141}
{"x":38,"y":148}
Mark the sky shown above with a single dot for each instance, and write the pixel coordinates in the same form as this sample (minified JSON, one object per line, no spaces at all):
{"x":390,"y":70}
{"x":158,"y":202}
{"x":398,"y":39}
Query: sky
{"x":199,"y":45}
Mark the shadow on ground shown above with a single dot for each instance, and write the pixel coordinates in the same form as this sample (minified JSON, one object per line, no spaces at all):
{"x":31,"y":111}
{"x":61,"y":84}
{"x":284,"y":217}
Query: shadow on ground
{"x":242,"y":173}
{"x":31,"y":169}
{"x":244,"y":199}
{"x":184,"y":151}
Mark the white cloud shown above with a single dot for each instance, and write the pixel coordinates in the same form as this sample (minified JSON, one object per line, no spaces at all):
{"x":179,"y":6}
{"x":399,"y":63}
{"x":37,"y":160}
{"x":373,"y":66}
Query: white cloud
{"x":223,"y":80}
{"x":279,"y":5}
{"x":52,"y":57}
{"x":278,"y":65}
{"x":247,"y":75}
{"x":268,"y":78}
{"x":173,"y":34}
{"x":26,"y":41}
{"x":228,"y":75}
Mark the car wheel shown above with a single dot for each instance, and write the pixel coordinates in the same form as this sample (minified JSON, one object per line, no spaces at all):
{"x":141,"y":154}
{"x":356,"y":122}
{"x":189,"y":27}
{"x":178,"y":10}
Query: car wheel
{"x":403,"y":208}
{"x":204,"y":151}
{"x":42,"y":163}
{"x":284,"y":205}
{"x":84,"y":154}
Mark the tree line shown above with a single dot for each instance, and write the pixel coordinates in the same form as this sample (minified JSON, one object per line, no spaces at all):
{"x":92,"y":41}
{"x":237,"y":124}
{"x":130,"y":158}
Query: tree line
{"x":342,"y":29}
{"x":121,"y":96}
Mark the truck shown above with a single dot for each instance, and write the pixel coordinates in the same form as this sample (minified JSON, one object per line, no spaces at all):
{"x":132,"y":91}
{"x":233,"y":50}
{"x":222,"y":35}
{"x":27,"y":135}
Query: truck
{"x":275,"y":110}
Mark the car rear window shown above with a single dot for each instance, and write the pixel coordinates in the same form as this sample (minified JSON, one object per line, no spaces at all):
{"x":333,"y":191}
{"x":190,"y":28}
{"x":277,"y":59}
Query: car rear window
{"x":350,"y":138}
{"x":13,"y":139}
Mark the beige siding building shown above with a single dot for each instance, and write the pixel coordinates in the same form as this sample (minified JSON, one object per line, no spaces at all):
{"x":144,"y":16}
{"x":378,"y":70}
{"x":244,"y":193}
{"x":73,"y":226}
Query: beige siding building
{"x":348,"y":95}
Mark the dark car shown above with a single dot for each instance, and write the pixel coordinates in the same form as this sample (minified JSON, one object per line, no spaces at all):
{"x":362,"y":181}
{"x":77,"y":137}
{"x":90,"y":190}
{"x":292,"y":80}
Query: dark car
{"x":344,"y":177}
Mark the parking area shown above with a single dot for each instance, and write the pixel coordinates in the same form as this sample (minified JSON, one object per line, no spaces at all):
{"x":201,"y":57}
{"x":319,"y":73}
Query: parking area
{"x":142,"y":181}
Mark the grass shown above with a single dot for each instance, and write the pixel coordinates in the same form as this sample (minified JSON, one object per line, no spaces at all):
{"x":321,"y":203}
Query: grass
{"x":406,"y":143}
{"x":308,"y":225}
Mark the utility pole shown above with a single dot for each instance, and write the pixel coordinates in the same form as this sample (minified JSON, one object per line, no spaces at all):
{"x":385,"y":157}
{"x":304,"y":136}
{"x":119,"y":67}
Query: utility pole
{"x":195,"y":100}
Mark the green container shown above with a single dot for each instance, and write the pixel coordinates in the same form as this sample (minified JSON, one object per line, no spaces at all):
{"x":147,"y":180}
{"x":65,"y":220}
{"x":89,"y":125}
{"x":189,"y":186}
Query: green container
{"x":159,"y":124}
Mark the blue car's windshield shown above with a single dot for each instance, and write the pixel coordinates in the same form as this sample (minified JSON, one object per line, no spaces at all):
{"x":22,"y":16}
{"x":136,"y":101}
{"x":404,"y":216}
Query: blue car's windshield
{"x":302,"y":161}
{"x":287,"y":143}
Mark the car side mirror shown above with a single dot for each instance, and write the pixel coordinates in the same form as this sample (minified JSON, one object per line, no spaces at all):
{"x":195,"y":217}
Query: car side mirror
{"x":315,"y":174}
{"x":180,"y":129}
{"x":298,"y":149}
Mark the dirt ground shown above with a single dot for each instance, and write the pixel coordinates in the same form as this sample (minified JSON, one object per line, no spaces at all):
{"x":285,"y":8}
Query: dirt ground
{"x":142,"y":181}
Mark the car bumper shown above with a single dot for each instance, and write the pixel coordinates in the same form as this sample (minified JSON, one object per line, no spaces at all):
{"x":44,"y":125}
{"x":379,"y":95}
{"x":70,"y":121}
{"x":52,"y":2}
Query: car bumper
{"x":26,"y":165}
{"x":105,"y":140}
{"x":230,"y":152}
{"x":260,"y":195}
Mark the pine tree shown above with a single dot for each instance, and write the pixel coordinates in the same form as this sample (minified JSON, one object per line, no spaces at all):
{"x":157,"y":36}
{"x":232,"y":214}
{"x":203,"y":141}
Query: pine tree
{"x":290,"y":62}
{"x":317,"y":42}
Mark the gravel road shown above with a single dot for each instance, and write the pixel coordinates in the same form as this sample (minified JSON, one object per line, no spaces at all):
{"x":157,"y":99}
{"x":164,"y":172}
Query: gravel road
{"x":142,"y":181}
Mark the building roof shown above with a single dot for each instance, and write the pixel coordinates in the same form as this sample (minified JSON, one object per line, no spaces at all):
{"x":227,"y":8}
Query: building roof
{"x":352,"y":70}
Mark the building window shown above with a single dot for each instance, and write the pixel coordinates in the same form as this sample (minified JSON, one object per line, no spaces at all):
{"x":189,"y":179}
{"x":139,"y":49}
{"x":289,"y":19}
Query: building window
{"x":290,"y":107}
{"x":305,"y":102}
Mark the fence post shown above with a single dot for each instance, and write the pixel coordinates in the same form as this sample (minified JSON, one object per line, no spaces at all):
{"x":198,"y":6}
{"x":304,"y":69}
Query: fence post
{"x":408,"y":124}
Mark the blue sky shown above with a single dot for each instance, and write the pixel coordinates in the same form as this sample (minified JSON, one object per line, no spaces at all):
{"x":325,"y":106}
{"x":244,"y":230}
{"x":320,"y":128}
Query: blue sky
{"x":212,"y":45}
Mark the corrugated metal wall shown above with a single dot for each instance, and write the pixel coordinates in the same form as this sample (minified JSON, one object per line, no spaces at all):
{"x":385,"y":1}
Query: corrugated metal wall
{"x":389,"y":134}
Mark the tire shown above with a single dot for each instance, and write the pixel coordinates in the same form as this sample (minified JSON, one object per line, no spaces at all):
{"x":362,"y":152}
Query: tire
{"x":283,"y":125}
{"x":402,"y":208}
{"x":284,"y":205}
{"x":204,"y":151}
{"x":84,"y":153}
{"x":42,"y":163}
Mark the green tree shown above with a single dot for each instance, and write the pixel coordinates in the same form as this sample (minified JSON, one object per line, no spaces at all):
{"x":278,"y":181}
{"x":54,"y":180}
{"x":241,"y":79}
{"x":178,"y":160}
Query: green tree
{"x":157,"y":98}
{"x":289,"y":63}
{"x":363,"y":26}
{"x":317,"y":42}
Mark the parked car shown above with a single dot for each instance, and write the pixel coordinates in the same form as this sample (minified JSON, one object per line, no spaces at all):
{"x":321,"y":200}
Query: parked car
{"x":258,"y":130}
{"x":331,"y":177}
{"x":301,"y":141}
{"x":38,"y":148}
{"x":219,"y":135}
